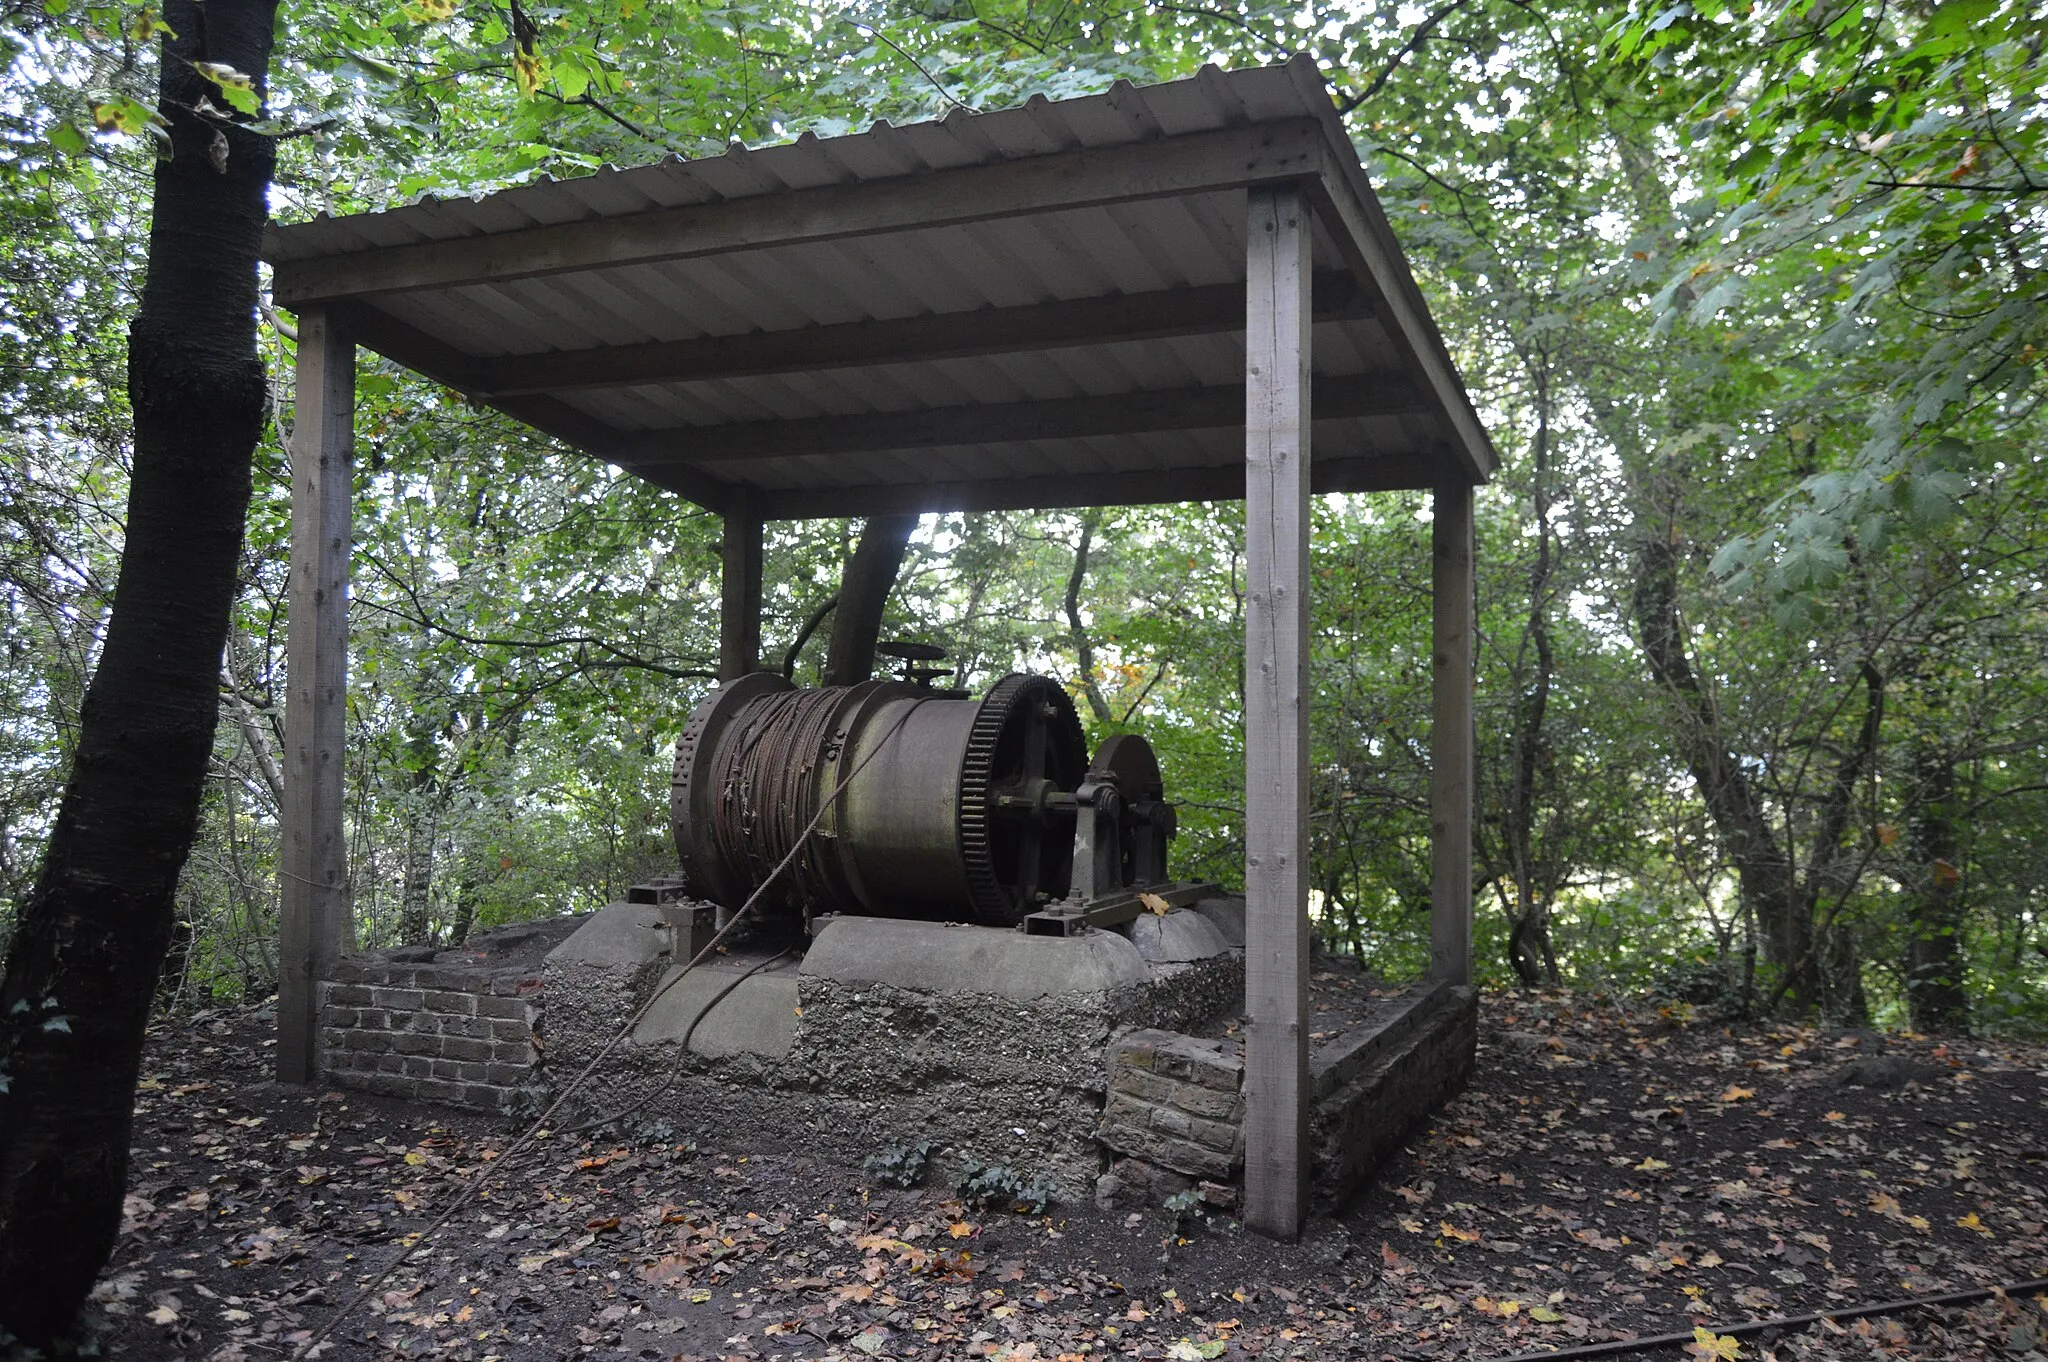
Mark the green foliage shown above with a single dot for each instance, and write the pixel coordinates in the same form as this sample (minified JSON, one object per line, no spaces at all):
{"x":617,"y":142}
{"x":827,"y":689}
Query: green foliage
{"x":998,"y":1186}
{"x":900,"y":1165}
{"x":1760,"y":285}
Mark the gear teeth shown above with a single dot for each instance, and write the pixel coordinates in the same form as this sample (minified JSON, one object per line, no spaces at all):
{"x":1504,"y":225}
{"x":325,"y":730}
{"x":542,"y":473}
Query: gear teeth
{"x":992,"y":903}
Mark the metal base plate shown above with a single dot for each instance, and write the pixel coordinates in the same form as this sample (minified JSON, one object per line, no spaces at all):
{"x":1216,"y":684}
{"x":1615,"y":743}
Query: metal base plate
{"x":1113,"y":910}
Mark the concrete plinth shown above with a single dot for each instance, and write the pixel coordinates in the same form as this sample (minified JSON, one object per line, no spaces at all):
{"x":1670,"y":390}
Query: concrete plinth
{"x":1051,"y":1056}
{"x":987,"y":1043}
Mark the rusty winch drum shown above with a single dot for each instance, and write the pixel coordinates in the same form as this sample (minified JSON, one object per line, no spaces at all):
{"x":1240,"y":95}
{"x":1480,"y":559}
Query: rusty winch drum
{"x":952,"y":808}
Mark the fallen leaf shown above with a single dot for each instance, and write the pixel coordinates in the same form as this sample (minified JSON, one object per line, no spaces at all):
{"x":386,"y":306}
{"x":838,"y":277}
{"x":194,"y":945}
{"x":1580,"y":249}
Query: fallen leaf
{"x":1706,"y":1343}
{"x":1451,"y":1231}
{"x":1155,"y":903}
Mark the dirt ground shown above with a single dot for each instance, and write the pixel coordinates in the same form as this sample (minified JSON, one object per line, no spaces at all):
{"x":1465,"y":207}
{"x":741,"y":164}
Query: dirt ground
{"x":1613,"y":1171}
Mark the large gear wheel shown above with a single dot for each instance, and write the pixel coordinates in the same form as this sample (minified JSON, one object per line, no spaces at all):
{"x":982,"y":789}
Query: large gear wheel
{"x":1025,"y":730}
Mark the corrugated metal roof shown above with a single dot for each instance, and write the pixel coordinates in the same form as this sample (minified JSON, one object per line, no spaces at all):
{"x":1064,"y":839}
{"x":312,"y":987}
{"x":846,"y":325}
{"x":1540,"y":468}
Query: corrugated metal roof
{"x":566,"y":296}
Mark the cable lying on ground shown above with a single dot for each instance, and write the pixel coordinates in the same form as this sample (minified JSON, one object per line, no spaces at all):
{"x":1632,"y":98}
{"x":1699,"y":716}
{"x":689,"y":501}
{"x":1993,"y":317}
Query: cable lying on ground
{"x":1621,"y":1347}
{"x":540,"y":1123}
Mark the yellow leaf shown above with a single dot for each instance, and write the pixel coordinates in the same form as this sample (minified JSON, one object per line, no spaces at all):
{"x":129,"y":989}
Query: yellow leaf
{"x":415,"y":1158}
{"x":223,"y":75}
{"x":1652,"y":1165}
{"x":1706,"y":1343}
{"x":145,"y":26}
{"x":1543,"y":1314}
{"x":1833,"y":1116}
{"x":1451,"y":1231}
{"x":960,"y":1229}
{"x":1884,"y":1203}
{"x":1155,"y":903}
{"x":1735,"y":1094}
{"x":530,"y":70}
{"x":1971,"y":1222}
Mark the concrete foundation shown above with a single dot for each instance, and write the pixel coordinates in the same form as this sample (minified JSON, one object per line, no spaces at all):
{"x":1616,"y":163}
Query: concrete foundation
{"x":1052,"y":1057}
{"x":987,"y":1044}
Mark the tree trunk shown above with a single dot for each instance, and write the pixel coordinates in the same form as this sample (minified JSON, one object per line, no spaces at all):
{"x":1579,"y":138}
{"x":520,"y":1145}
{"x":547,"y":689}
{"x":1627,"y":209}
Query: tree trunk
{"x":92,"y":934}
{"x":1529,"y":947}
{"x":1763,"y":870}
{"x":1934,"y":905}
{"x":1084,"y":648}
{"x":863,"y":591}
{"x":422,"y":807}
{"x":1836,"y":867}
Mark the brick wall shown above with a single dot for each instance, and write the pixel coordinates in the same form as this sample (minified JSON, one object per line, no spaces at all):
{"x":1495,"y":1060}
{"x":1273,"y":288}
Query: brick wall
{"x":1365,"y":1118}
{"x":464,"y":1036}
{"x":1174,"y":1101}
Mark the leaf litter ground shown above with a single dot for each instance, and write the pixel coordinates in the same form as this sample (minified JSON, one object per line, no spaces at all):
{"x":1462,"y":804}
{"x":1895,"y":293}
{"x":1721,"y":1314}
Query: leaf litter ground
{"x":1611,"y":1171}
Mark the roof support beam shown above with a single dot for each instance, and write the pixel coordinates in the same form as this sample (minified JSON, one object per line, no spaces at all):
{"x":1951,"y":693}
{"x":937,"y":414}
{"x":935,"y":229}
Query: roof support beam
{"x":1155,"y":315}
{"x":423,"y":354}
{"x":1144,"y":487}
{"x":1231,"y":158}
{"x":739,"y":589}
{"x":314,"y":927}
{"x":1451,"y":745}
{"x":1276,"y":624}
{"x":1360,"y":229}
{"x":1175,"y":409}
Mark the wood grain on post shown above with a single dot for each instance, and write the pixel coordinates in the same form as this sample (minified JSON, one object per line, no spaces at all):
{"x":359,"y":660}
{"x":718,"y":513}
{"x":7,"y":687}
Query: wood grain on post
{"x":1450,"y":737}
{"x":1276,"y":710}
{"x":739,"y":591}
{"x":314,"y":927}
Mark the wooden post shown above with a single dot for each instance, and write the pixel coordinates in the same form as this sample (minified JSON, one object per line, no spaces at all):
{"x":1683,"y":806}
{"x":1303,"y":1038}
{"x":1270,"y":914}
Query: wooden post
{"x":313,"y":926}
{"x":1450,"y":737}
{"x":739,"y":591}
{"x":1276,"y":514}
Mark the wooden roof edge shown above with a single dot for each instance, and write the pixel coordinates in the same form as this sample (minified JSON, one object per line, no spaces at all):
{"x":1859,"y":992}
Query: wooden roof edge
{"x":1353,"y":216}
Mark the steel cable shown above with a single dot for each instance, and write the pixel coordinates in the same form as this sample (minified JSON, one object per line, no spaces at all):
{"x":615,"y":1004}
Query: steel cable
{"x":539,"y":1125}
{"x":766,"y":803}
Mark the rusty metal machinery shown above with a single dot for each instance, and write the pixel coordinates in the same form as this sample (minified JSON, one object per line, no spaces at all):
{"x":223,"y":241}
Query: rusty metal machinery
{"x":979,"y":810}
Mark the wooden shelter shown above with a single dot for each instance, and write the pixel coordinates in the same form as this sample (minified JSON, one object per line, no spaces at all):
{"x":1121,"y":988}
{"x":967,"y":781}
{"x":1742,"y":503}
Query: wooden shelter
{"x":1155,"y":294}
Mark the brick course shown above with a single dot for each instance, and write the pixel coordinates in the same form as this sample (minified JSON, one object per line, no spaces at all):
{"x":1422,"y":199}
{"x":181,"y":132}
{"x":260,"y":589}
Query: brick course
{"x":435,"y":1033}
{"x":1175,"y":1101}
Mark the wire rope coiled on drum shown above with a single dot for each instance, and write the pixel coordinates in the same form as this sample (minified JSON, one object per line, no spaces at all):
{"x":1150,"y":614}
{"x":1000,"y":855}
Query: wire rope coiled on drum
{"x":766,"y":787}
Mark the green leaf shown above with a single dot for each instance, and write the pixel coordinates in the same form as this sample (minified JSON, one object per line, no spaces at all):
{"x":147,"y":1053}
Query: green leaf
{"x":571,"y":79}
{"x":124,"y":115}
{"x":375,"y":66}
{"x":1733,"y":556}
{"x":242,"y":99}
